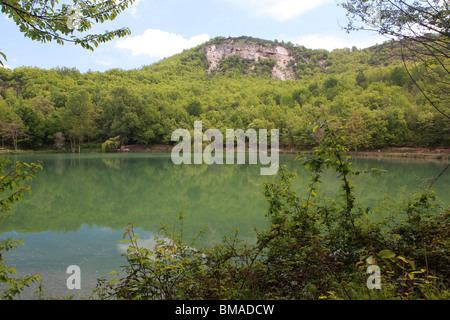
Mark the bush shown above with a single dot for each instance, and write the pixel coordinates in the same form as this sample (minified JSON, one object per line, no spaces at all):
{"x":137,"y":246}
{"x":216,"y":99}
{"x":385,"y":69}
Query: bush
{"x":12,"y":190}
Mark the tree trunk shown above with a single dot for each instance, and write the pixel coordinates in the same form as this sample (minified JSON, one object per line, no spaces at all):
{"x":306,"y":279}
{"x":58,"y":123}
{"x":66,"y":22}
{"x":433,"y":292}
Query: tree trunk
{"x":15,"y":142}
{"x":72,"y":144}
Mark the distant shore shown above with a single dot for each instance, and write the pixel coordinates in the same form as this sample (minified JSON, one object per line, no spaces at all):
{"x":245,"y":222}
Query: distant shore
{"x":405,"y":152}
{"x":394,"y":152}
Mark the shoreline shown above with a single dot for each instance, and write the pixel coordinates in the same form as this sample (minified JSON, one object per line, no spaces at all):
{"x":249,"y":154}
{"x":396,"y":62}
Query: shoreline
{"x":390,"y":152}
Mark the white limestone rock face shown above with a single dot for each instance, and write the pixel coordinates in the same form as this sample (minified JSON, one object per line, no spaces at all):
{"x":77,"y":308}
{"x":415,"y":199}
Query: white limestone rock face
{"x":281,"y":70}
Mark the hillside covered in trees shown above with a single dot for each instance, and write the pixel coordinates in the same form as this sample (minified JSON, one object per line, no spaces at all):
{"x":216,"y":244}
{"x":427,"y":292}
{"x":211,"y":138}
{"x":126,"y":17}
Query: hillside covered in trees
{"x":368,"y":89}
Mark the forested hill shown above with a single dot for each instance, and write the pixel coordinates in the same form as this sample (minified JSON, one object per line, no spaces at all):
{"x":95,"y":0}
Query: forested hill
{"x":228,"y":83}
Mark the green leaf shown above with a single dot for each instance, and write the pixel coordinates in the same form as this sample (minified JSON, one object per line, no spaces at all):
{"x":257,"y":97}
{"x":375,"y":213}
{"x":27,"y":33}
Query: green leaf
{"x":386,"y":254}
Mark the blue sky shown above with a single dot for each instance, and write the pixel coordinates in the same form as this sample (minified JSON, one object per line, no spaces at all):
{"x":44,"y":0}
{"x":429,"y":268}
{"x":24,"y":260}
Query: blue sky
{"x":162,"y":28}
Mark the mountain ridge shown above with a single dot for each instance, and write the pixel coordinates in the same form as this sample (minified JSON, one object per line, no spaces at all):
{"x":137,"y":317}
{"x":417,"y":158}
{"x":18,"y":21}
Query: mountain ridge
{"x":281,"y":60}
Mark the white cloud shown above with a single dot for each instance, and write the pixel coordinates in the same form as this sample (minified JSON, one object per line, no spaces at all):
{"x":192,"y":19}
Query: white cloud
{"x":134,"y":7}
{"x":159,"y":44}
{"x":330,"y":42}
{"x":280,"y":10}
{"x":6,"y":66}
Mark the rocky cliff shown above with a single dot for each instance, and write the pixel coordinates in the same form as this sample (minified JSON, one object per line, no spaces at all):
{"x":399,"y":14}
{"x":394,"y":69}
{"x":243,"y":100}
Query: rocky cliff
{"x":281,"y":70}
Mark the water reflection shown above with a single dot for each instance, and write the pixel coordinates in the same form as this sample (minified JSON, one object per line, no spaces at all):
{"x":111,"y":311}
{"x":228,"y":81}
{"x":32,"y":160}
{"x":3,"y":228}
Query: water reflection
{"x":81,"y":205}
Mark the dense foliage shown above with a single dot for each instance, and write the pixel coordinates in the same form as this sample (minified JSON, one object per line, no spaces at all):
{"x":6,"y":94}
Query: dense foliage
{"x":368,"y":88}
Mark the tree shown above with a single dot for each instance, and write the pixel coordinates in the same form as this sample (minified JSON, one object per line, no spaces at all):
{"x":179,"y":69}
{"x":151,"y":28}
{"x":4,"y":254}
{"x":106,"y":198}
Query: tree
{"x":42,"y":104}
{"x":11,"y":125}
{"x":59,"y":140}
{"x":12,"y":129}
{"x":46,"y":21}
{"x":77,"y":118}
{"x":356,"y":133}
{"x":33,"y":122}
{"x":422,"y":28}
{"x":119,"y":117}
{"x":194,"y":108}
{"x":361,"y":79}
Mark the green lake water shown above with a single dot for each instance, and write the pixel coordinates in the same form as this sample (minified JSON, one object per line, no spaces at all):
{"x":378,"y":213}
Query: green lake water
{"x":81,"y":205}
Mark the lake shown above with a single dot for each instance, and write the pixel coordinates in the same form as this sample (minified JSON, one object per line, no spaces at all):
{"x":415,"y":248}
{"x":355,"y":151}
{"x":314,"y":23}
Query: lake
{"x":81,"y":205}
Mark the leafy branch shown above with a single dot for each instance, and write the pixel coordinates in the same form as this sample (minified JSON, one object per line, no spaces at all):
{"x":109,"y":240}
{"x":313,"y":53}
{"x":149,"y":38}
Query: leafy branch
{"x":45,"y":20}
